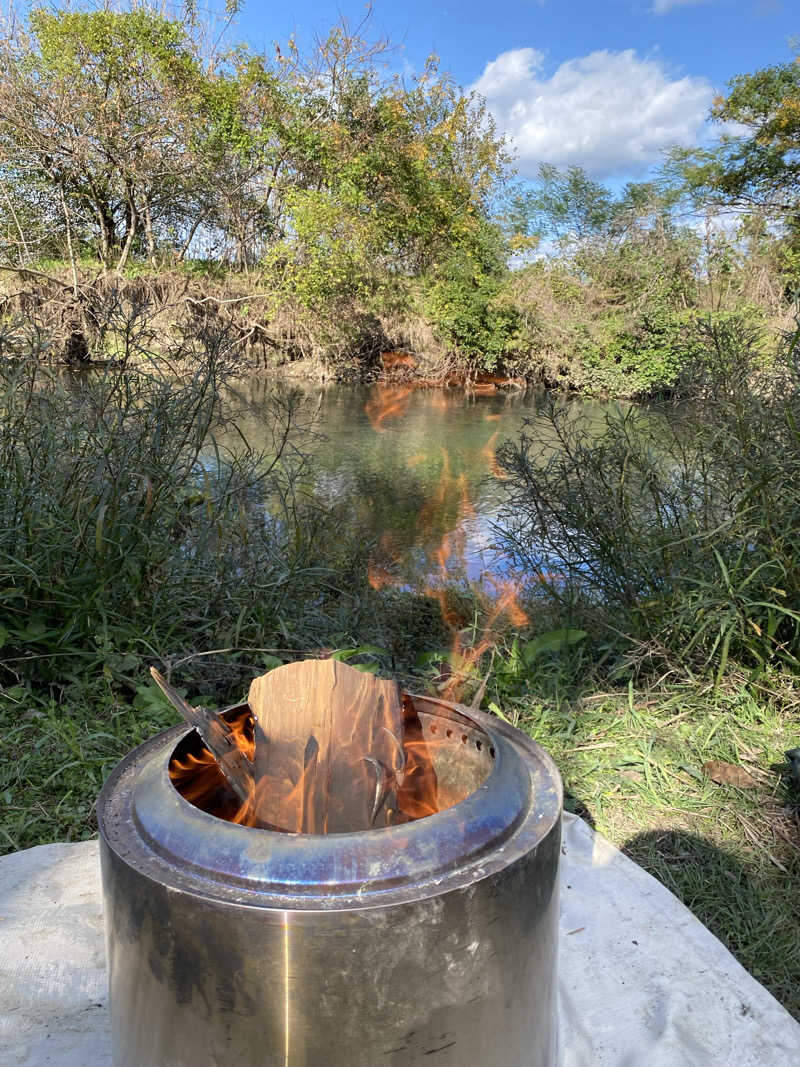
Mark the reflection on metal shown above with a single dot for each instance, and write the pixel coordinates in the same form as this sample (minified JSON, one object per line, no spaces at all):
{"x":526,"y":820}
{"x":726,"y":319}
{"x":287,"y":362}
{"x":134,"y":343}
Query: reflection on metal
{"x":430,"y":942}
{"x":287,"y":1024}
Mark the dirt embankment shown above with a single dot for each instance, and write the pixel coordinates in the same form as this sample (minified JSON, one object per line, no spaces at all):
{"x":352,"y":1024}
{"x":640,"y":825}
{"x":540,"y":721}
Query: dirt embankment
{"x":96,"y":318}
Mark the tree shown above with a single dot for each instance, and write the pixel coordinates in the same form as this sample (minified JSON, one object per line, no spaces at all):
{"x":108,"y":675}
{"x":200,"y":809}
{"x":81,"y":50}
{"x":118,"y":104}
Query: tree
{"x":356,"y":191}
{"x":758,"y":166}
{"x":563,"y":207}
{"x":382,"y":180}
{"x":102,"y":107}
{"x":251,"y":111}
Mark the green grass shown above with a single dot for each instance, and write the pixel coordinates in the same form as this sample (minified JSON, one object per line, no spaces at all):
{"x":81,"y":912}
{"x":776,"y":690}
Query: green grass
{"x":633,"y":767}
{"x":57,"y":754}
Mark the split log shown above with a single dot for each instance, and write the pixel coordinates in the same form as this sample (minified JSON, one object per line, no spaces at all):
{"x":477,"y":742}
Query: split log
{"x":218,"y":739}
{"x":328,"y":748}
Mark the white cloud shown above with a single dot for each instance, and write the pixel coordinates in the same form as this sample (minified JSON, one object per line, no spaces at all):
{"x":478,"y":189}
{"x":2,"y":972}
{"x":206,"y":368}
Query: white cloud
{"x":661,"y":7}
{"x":609,"y":112}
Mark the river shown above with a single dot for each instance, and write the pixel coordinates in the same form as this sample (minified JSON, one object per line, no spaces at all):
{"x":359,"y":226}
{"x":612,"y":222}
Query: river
{"x":417,"y":466}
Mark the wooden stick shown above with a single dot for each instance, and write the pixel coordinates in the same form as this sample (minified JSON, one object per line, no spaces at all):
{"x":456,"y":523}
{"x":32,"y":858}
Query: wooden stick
{"x":218,"y":739}
{"x":328,"y":750}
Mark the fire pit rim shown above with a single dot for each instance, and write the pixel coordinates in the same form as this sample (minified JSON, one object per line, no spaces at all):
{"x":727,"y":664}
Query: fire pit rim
{"x":140,"y":811}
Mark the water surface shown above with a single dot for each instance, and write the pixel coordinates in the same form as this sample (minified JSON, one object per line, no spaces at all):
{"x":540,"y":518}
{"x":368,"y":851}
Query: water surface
{"x":417,"y":467}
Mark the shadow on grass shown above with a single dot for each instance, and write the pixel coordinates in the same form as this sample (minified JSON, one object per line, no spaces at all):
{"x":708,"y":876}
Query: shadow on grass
{"x":575,"y":806}
{"x":743,"y":901}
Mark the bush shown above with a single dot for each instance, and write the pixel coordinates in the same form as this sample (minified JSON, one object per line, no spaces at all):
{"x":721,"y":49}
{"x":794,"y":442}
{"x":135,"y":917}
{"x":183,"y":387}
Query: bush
{"x":467,"y":305}
{"x":127,"y":531}
{"x":651,"y":353}
{"x":672,"y":530}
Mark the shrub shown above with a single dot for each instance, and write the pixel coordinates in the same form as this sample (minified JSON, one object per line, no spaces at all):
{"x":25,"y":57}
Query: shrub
{"x":673,"y":530}
{"x":467,"y":305}
{"x":127,"y":530}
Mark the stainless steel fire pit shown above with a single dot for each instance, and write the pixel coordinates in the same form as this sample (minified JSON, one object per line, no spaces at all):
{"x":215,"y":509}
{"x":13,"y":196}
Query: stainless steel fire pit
{"x":432,"y":942}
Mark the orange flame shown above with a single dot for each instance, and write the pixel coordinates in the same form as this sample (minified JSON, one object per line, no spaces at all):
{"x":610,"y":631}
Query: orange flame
{"x":508,"y":602}
{"x":199,"y":779}
{"x":449,"y":557}
{"x":415,"y":792}
{"x":418,"y":794}
{"x":439,"y":400}
{"x":489,"y":453}
{"x":451,"y":560}
{"x":378,"y":576}
{"x":379,"y":572}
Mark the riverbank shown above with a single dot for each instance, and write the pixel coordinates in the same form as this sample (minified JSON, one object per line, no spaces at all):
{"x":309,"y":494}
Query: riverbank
{"x":127,"y":541}
{"x":146,"y":314}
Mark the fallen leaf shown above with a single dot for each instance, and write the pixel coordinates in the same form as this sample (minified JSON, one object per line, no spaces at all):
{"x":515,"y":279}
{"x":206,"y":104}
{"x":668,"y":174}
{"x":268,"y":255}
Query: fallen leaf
{"x":729,"y":774}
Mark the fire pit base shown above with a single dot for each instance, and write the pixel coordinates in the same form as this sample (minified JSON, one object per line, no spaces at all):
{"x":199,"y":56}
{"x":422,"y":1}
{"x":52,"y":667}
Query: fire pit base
{"x":640,"y":978}
{"x":233,"y":945}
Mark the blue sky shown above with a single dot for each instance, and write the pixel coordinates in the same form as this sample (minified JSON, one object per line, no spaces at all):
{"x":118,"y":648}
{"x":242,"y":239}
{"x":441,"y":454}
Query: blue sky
{"x":602,"y":84}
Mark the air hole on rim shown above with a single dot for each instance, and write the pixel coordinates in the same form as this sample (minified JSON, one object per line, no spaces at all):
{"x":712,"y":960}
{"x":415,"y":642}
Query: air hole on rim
{"x":491,"y":752}
{"x":449,"y":733}
{"x":434,"y":727}
{"x":464,"y":739}
{"x":479,"y":745}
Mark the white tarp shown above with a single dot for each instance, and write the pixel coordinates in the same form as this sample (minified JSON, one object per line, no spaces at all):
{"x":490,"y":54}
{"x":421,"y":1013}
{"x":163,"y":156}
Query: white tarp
{"x":642,"y":982}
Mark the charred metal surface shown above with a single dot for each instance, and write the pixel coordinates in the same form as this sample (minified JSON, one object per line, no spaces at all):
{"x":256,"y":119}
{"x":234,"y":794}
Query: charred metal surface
{"x":427,"y":942}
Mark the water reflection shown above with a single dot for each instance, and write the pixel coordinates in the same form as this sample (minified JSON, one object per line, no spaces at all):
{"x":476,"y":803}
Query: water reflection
{"x":416,"y":467}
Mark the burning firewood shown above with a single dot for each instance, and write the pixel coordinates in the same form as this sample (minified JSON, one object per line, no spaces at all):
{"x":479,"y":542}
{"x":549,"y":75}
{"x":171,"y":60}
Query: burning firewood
{"x":218,"y":739}
{"x":329,"y":748}
{"x":329,"y":754}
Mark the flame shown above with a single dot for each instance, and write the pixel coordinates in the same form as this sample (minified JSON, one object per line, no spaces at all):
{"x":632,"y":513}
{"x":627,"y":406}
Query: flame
{"x":489,"y":454}
{"x":498,"y":601}
{"x":508,"y":602}
{"x":379,"y":566}
{"x":499,"y":598}
{"x":198,"y":778}
{"x":378,"y":576}
{"x":418,"y":793}
{"x":488,"y":449}
{"x":412,"y":787}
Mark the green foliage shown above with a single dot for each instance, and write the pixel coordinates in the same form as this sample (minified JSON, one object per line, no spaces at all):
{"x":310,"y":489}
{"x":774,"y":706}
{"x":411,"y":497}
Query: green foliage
{"x":98,"y":112}
{"x":648,"y":357}
{"x":761,"y":164}
{"x":672,"y":530}
{"x":466,"y":304}
{"x":370,"y":211}
{"x":636,"y":359}
{"x":400,"y":181}
{"x":562,"y":206}
{"x":632,"y":763}
{"x":128,"y":533}
{"x":113,"y":47}
{"x":623,"y":301}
